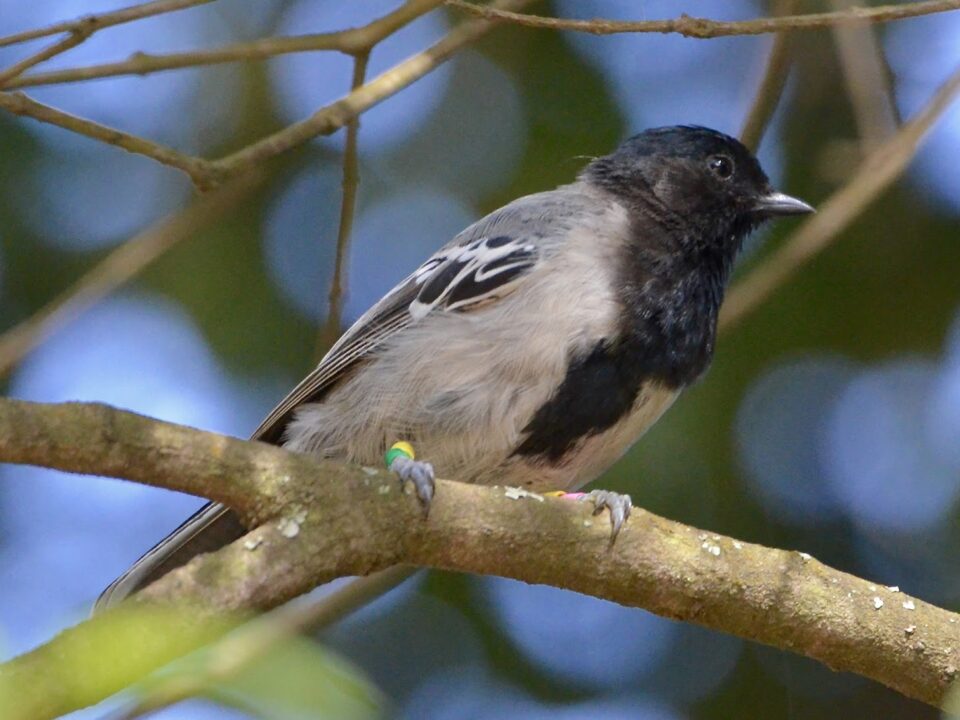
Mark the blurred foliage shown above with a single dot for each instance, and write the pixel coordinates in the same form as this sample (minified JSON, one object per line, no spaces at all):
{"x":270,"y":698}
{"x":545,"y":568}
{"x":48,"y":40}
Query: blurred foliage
{"x":295,"y":680}
{"x":887,"y":288}
{"x":95,"y":660}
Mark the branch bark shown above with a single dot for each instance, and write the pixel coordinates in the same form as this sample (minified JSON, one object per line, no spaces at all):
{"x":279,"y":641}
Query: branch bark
{"x":352,"y":41}
{"x":207,"y":174}
{"x":866,"y":77}
{"x":90,"y":24}
{"x":355,"y":521}
{"x":331,"y":118}
{"x":350,"y":181}
{"x":197,"y":169}
{"x":51,"y":51}
{"x":774,"y":80}
{"x":704,"y":28}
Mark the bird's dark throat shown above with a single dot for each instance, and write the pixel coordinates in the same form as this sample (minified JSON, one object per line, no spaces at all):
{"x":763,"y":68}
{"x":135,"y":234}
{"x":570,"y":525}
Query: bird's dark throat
{"x":671,"y":293}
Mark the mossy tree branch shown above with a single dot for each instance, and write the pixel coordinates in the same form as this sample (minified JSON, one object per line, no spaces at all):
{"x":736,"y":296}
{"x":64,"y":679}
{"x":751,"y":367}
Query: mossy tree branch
{"x":316,"y":521}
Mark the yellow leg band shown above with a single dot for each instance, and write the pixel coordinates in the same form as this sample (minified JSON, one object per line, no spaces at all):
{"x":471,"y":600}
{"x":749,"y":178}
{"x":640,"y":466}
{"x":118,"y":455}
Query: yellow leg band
{"x":398,"y":449}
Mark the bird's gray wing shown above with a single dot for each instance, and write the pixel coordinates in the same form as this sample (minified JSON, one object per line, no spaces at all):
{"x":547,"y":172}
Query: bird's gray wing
{"x":473,"y":270}
{"x":477,"y":267}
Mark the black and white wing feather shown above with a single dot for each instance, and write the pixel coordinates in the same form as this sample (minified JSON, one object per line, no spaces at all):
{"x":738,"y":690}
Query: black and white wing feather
{"x":471,"y":275}
{"x":464,"y":275}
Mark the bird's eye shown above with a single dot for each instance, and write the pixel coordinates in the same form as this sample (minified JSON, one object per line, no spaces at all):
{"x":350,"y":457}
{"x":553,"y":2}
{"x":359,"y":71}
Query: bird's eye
{"x":721,"y":166}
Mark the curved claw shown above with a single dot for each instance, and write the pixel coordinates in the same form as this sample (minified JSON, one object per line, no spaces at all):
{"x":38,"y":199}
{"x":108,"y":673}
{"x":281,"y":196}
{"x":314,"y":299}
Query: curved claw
{"x":420,"y":474}
{"x":619,"y":506}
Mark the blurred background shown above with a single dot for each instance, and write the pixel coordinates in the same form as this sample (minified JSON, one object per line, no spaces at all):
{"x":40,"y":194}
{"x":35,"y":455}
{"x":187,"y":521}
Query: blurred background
{"x":830,"y":422}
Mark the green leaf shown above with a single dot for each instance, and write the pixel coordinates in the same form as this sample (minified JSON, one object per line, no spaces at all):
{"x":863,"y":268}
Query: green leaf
{"x":301,"y":680}
{"x":291,"y":679}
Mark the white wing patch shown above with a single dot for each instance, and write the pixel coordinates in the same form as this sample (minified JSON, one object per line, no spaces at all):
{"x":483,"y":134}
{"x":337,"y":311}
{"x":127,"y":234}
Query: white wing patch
{"x":455,"y":278}
{"x":469,"y":275}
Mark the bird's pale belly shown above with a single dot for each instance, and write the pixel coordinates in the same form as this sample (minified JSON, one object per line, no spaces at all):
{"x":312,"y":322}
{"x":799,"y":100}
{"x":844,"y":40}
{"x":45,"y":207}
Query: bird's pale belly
{"x":584,"y":462}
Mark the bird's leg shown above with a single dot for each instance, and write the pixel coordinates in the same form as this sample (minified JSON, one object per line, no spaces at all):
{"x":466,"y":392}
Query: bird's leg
{"x":617,"y":504}
{"x":400,"y":459}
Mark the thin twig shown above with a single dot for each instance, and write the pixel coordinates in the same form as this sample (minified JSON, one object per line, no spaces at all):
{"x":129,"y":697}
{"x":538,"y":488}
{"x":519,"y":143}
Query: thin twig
{"x":352,"y":41}
{"x":348,"y":204}
{"x":206,"y":173}
{"x":864,"y":70}
{"x":119,"y":267}
{"x":25,"y":336}
{"x":20,"y":104}
{"x":875,"y":174}
{"x":771,"y":86}
{"x":696,"y":27}
{"x":334,"y":116}
{"x":52,"y":50}
{"x":92,"y":23}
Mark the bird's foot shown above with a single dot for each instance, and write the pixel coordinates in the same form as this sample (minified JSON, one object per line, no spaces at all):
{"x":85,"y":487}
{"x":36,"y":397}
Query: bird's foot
{"x":617,"y":504}
{"x":400,"y":459}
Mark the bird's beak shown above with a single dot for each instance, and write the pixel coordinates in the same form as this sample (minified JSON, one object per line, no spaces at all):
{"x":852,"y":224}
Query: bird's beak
{"x":778,"y":203}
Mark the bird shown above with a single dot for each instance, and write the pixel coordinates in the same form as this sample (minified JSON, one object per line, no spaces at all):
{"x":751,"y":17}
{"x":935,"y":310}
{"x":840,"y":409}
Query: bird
{"x":535,"y":347}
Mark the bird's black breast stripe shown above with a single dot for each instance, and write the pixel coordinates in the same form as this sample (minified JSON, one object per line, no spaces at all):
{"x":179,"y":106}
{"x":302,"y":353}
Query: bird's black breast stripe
{"x":598,"y":390}
{"x":666,"y":337}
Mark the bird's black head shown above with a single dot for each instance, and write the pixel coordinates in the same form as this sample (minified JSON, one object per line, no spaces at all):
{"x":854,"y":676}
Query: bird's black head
{"x":704,"y":185}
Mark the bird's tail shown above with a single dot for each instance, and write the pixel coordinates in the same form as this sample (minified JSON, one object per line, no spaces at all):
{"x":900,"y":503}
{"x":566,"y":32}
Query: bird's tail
{"x":209,"y":529}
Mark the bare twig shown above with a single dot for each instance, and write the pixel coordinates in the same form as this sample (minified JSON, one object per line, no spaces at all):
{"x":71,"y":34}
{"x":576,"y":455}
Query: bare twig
{"x":349,"y":522}
{"x":705,"y":28}
{"x":52,"y":50}
{"x":92,"y":23}
{"x":119,"y":267}
{"x":864,"y":70}
{"x":876,"y":173}
{"x":19,"y":104}
{"x":348,"y":204}
{"x":206,"y":173}
{"x":771,"y":86}
{"x":352,"y":41}
{"x":334,"y":116}
{"x":22,"y":338}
